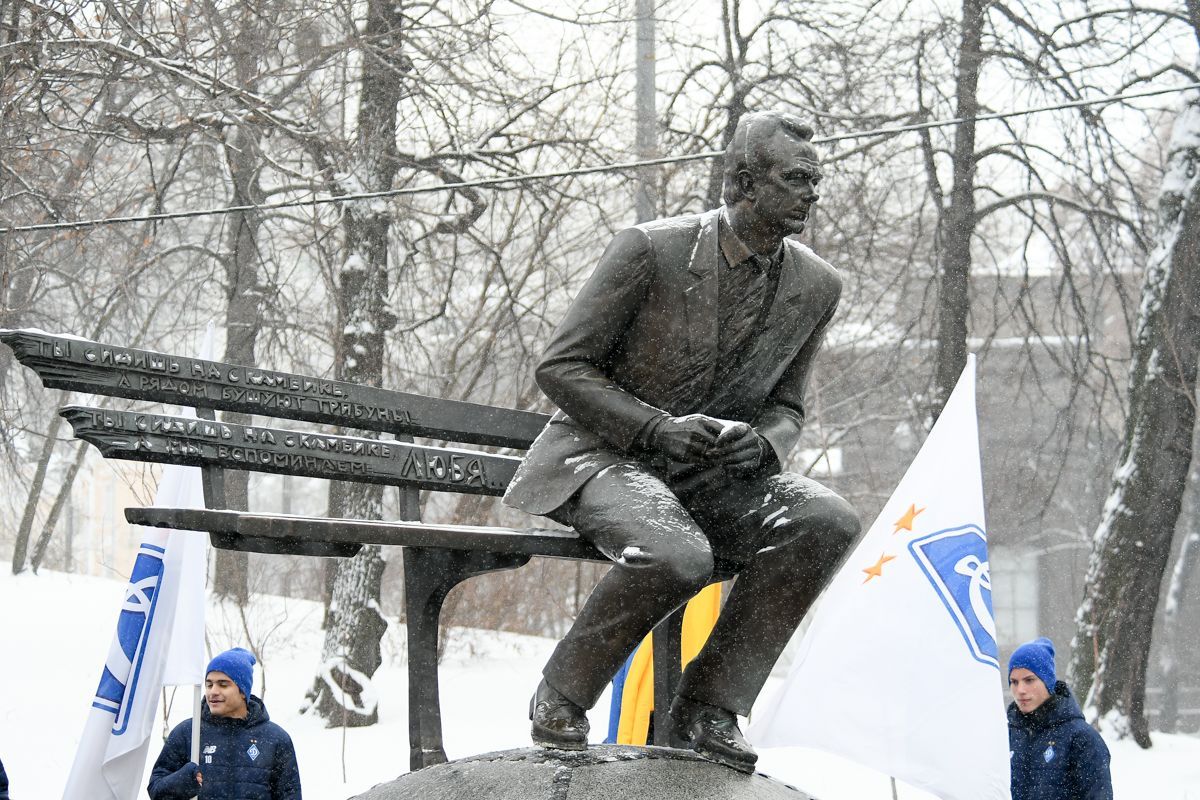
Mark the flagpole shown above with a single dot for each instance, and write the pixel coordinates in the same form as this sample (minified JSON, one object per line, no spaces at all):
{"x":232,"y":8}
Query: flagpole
{"x":196,"y":725}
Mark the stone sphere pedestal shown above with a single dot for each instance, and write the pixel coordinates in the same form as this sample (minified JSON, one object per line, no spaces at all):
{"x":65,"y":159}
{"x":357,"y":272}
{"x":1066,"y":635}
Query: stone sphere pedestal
{"x":602,"y":772}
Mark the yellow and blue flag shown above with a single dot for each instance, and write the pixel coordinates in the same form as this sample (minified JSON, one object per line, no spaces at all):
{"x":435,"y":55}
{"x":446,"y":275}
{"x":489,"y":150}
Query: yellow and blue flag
{"x":633,"y":686}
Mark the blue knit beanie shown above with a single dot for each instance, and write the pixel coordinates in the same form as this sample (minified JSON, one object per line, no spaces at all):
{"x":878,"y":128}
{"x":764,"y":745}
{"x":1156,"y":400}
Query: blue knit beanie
{"x":238,"y":664}
{"x":1037,"y":657}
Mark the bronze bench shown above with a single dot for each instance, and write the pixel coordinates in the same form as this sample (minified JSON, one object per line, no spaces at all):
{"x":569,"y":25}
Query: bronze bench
{"x":435,"y":557}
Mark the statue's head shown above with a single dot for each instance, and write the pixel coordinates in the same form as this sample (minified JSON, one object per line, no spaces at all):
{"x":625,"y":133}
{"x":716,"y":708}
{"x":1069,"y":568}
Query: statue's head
{"x":770,"y":157}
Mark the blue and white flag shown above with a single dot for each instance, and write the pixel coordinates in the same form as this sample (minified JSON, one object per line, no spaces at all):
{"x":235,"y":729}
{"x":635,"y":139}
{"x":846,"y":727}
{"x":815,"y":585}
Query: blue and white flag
{"x":159,"y":642}
{"x":899,"y":668}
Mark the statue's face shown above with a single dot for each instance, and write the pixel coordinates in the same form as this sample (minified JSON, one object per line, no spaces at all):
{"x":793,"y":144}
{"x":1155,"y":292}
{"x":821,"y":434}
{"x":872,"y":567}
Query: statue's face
{"x":784,"y":193}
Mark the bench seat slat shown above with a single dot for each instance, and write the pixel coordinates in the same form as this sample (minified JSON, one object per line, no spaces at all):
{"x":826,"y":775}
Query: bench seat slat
{"x":530,"y":541}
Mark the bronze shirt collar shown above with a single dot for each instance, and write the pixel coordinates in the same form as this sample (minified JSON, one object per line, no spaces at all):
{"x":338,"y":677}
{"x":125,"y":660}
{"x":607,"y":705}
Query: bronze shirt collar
{"x":733,"y":248}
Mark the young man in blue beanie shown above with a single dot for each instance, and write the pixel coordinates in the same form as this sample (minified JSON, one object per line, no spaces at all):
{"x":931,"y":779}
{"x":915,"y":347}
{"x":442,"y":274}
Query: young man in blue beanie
{"x":243,"y":755}
{"x":1055,"y":754}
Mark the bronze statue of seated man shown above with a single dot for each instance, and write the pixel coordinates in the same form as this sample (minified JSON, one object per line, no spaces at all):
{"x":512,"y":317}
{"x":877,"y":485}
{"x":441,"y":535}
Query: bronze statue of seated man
{"x":679,"y":371}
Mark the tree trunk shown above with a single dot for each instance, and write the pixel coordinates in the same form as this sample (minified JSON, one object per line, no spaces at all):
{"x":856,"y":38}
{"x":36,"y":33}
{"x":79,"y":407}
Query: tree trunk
{"x":60,"y":501}
{"x":1177,"y":589}
{"x":735,"y":63}
{"x":957,"y":219}
{"x":15,"y":282}
{"x":716,"y":176}
{"x":342,"y":693}
{"x":244,"y":295}
{"x":1132,"y":543}
{"x":645,"y":199}
{"x":1185,"y":565}
{"x":16,"y":290}
{"x":243,"y":318}
{"x":21,"y":546}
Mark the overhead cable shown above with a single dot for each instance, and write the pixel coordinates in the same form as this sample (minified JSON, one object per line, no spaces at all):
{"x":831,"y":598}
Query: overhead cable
{"x":506,"y":180}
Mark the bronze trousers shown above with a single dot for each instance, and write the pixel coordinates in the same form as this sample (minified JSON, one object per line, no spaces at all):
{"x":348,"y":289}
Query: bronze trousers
{"x":783,"y":535}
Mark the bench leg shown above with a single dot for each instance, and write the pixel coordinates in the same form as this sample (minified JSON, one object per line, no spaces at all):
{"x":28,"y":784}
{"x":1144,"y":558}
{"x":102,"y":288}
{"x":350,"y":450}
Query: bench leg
{"x":667,"y":637}
{"x":429,"y":575}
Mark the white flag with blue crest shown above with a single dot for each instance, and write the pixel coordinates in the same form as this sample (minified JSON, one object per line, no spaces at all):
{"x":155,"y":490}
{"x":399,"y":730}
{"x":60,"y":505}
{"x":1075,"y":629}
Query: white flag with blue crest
{"x":159,"y":642}
{"x":898,"y":670}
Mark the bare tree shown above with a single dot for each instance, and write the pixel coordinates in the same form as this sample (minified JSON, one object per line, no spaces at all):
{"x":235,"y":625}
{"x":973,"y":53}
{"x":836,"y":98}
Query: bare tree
{"x":424,"y":82}
{"x":1132,"y":543}
{"x":796,"y":56}
{"x":355,"y":623}
{"x":243,"y":253}
{"x":80,"y":97}
{"x":1063,"y":195}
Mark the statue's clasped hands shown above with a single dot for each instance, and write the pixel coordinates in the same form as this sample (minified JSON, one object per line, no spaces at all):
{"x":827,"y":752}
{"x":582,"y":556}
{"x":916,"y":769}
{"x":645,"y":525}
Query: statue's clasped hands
{"x":700,"y":439}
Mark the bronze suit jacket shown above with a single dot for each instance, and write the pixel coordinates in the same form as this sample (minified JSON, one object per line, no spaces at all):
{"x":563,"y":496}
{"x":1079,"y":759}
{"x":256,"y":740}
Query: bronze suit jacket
{"x":640,"y":339}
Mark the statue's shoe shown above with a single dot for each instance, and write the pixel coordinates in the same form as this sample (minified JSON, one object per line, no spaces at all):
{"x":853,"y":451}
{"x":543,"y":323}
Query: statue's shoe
{"x":713,"y":733}
{"x":557,"y":722}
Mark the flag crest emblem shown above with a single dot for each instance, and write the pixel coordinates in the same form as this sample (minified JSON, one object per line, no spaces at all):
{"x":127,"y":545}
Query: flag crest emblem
{"x":119,"y":680}
{"x":955,"y":562}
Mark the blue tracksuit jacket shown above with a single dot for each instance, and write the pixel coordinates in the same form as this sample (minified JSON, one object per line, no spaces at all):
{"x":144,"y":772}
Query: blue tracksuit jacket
{"x":1055,"y":754}
{"x":240,"y":759}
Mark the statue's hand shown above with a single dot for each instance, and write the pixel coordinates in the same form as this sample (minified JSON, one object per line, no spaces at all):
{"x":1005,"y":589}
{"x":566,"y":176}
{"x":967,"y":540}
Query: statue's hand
{"x":686,"y":439}
{"x":739,"y":449}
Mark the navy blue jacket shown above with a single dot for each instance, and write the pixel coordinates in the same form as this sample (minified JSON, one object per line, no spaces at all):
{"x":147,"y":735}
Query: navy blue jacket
{"x":3,"y":782}
{"x":240,"y":759}
{"x":1055,"y":754}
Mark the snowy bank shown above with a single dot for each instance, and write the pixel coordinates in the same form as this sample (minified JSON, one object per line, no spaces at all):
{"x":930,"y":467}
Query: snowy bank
{"x":55,"y":631}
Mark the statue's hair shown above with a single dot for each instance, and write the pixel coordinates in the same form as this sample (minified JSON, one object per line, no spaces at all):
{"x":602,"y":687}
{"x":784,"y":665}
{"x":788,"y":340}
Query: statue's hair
{"x":747,"y":149}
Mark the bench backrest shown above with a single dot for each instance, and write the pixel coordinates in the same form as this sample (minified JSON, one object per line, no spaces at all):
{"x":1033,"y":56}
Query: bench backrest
{"x":76,"y":364}
{"x":68,"y":362}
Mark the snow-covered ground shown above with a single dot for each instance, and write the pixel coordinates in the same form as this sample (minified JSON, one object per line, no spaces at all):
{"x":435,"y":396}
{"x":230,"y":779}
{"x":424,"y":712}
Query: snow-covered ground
{"x":55,"y":631}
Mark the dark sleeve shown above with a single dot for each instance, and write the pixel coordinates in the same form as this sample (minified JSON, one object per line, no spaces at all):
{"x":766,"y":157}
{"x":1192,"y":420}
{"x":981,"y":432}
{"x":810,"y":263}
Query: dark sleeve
{"x":285,"y":773}
{"x":3,"y":782}
{"x":170,"y":779}
{"x":574,"y":371}
{"x":783,"y":416}
{"x":1090,"y":778}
